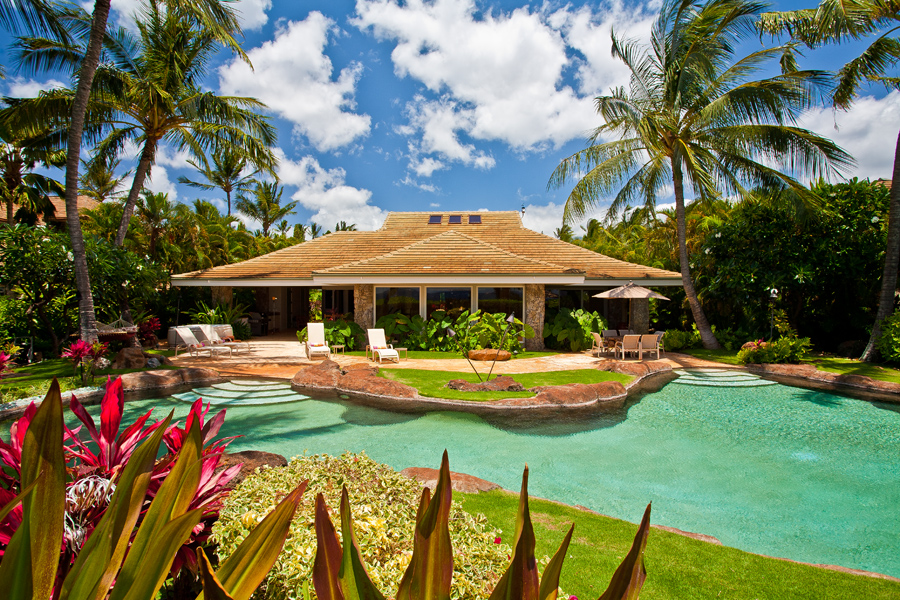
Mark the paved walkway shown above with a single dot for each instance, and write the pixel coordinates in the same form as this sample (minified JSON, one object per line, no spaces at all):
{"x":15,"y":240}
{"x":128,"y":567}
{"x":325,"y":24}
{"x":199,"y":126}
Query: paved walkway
{"x":281,"y":356}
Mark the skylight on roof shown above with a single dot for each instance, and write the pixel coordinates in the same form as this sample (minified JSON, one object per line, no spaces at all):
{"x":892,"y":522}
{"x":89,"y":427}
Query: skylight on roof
{"x":455,"y":219}
{"x":474,"y":219}
{"x":435,"y":219}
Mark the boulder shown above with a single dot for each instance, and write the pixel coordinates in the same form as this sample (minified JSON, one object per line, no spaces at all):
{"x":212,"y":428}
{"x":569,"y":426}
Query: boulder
{"x":578,"y":393}
{"x":360,"y":366}
{"x":635,"y":369}
{"x":152,"y":363}
{"x":130,"y":358}
{"x":504,"y":383}
{"x":198,"y":375}
{"x":460,"y":482}
{"x":361,"y":381}
{"x":323,"y":375}
{"x":163,"y":378}
{"x":489,"y":354}
{"x":250,"y":461}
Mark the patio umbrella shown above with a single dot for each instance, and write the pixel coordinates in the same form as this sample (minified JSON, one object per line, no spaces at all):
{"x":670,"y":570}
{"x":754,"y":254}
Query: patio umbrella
{"x":629,"y":291}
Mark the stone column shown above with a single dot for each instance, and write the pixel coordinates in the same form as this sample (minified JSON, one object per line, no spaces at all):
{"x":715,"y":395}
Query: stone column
{"x":534,"y":315}
{"x":364,"y":305}
{"x":222,"y":294}
{"x":640,"y":315}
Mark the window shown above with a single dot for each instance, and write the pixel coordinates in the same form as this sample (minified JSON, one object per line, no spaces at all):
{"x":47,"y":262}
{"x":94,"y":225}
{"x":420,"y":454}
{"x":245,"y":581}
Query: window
{"x":502,"y":300}
{"x":396,"y":300}
{"x":455,"y":219}
{"x":434,"y":220}
{"x":452,"y":300}
{"x":474,"y":219}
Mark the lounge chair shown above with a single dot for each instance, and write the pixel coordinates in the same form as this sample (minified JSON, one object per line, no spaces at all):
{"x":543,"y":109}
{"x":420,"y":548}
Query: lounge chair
{"x":379,"y":346}
{"x":650,"y":343}
{"x":659,"y":341}
{"x":209,"y":333}
{"x":631,"y":344}
{"x":315,"y":341}
{"x":197,"y":348}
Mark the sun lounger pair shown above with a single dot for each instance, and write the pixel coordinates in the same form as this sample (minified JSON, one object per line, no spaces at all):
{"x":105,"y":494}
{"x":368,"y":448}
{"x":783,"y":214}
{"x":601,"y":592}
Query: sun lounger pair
{"x":197,"y":348}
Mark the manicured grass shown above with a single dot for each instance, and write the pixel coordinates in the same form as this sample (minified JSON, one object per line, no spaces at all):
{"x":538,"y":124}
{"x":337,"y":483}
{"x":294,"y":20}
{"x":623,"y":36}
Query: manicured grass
{"x":424,"y":354}
{"x":677,"y":567}
{"x":431,"y":383}
{"x":34,"y":380}
{"x":832,"y":364}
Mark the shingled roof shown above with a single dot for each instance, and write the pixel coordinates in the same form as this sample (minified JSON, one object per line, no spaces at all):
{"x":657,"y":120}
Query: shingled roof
{"x":407,"y":245}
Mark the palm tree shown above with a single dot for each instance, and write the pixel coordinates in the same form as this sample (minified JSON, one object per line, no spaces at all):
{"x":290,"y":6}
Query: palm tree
{"x":156,"y":94}
{"x":155,"y":210}
{"x":300,"y":231}
{"x":564,"y":233}
{"x":692,"y":116}
{"x":215,"y":16}
{"x":227,"y":174}
{"x":20,"y":153}
{"x":315,"y":230}
{"x":343,"y":226}
{"x":99,"y":180}
{"x":835,"y":23}
{"x":265,"y":206}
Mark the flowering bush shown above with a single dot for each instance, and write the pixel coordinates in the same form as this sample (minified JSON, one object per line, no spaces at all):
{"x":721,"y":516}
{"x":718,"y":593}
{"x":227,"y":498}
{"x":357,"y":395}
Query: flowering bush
{"x":84,"y":358}
{"x":5,"y":363}
{"x":788,"y":348}
{"x":95,"y":460}
{"x":384,"y":514}
{"x":147,"y":329}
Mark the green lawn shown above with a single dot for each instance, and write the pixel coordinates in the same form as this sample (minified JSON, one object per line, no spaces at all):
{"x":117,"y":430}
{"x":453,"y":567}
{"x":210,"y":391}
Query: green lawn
{"x":678,"y":568}
{"x":419,"y":354}
{"x":832,"y":364}
{"x":431,"y":383}
{"x":34,"y":380}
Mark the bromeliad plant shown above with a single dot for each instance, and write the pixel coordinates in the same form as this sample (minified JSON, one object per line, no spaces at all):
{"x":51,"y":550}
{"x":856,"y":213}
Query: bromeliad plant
{"x":339,"y":571}
{"x":132,"y":546}
{"x":84,"y":357}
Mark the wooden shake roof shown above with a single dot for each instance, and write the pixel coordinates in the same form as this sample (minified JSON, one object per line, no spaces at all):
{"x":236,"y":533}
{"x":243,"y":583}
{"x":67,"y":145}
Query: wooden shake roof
{"x":406,"y":245}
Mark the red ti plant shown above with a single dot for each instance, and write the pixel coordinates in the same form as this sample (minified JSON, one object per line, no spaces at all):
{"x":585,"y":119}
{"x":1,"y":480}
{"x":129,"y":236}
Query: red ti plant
{"x":95,"y":459}
{"x":84,"y":357}
{"x":147,"y":331}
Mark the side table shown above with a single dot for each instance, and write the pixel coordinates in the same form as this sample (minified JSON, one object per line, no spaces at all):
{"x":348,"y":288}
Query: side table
{"x":337,"y":347}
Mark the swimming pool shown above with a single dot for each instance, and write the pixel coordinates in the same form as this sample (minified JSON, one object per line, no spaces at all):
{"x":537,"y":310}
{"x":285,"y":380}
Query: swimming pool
{"x":776,"y":470}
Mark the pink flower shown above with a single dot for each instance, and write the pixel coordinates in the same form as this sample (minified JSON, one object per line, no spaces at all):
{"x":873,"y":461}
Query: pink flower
{"x":573,"y":597}
{"x":79,"y":350}
{"x":497,"y":540}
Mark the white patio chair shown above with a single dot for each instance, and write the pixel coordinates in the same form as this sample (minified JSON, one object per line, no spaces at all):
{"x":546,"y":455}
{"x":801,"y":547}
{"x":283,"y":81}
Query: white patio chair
{"x":196,"y":348}
{"x":209,"y":333}
{"x":315,"y":341}
{"x":650,"y":343}
{"x":659,"y":340}
{"x":379,"y":346}
{"x":630,"y":344}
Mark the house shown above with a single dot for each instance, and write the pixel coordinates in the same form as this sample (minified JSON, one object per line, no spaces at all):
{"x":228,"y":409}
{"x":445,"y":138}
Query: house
{"x":419,"y":262}
{"x":59,"y":210}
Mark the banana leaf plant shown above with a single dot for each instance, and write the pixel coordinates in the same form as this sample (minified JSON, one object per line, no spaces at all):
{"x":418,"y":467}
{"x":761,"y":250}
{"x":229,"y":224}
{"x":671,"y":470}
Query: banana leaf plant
{"x":339,"y":572}
{"x":117,"y":561}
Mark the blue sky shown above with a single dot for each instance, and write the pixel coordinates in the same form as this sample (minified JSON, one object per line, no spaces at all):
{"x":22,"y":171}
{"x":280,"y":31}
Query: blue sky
{"x":446,"y":105}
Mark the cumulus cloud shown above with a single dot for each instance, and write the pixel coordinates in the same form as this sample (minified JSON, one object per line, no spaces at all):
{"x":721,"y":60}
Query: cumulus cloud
{"x":326,"y":194}
{"x":548,"y":217}
{"x":251,"y":13}
{"x":498,"y":76}
{"x":19,"y":87}
{"x":868,"y":131}
{"x":294,"y":77}
{"x":158,"y":182}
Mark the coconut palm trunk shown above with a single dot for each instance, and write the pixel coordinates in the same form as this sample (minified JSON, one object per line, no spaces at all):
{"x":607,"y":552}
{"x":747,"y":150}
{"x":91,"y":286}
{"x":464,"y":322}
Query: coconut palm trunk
{"x":891,"y":262}
{"x":87,"y":321}
{"x":140,"y":176}
{"x":706,"y":335}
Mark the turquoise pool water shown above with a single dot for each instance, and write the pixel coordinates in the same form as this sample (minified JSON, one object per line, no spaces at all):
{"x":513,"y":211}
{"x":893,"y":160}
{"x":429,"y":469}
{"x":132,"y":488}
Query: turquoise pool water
{"x":770,"y":469}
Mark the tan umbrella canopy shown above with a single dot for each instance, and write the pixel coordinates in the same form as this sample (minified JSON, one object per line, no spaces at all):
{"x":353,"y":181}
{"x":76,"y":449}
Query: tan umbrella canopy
{"x":629,"y":291}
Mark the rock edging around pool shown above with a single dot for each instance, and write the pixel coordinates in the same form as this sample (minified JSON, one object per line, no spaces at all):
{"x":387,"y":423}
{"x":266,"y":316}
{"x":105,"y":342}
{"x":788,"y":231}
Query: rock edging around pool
{"x":362,"y":379}
{"x":131,"y":382}
{"x":808,"y":372}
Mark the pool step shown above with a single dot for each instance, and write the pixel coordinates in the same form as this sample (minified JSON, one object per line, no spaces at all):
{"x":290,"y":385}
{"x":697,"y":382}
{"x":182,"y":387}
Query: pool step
{"x":243,"y":392}
{"x":719,"y":378}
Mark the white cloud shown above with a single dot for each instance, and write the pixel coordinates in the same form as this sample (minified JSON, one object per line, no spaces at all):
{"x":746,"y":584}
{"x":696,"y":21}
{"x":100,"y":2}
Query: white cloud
{"x":158,"y":182}
{"x":19,"y":87}
{"x":325,"y":193}
{"x":547,"y":218}
{"x":251,"y":13}
{"x":170,"y":157}
{"x":868,"y":131}
{"x":293,"y":76}
{"x":499,"y":76}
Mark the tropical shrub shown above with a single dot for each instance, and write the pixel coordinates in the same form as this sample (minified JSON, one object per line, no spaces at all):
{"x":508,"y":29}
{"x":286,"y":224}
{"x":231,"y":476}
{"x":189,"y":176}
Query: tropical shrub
{"x":788,"y":348}
{"x":96,"y":458}
{"x":439,"y":340}
{"x":147,"y":328}
{"x":84,"y":357}
{"x":385,"y":504}
{"x":889,"y":343}
{"x":676,"y":340}
{"x":35,"y":512}
{"x":410,"y":332}
{"x":572,"y":329}
{"x":218,"y":314}
{"x":481,"y":330}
